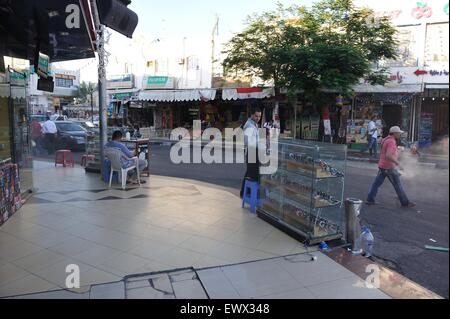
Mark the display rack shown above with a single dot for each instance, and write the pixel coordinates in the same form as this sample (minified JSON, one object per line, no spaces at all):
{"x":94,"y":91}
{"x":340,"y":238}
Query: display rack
{"x":10,"y":198}
{"x":305,"y":195}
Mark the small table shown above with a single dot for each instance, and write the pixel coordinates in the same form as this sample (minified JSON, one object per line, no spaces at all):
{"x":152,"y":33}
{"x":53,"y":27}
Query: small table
{"x":140,"y":146}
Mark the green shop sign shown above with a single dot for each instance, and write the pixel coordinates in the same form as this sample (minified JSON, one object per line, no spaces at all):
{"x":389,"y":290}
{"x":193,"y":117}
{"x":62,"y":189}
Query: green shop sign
{"x":157,"y":80}
{"x":17,"y":78}
{"x":119,"y":96}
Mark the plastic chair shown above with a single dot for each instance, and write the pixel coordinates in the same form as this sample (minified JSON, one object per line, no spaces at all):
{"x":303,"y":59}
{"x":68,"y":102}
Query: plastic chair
{"x":115,"y":157}
{"x":65,"y":158}
{"x":250,"y":195}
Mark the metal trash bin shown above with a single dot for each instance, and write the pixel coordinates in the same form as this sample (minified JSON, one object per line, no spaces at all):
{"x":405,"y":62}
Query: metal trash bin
{"x":353,"y":227}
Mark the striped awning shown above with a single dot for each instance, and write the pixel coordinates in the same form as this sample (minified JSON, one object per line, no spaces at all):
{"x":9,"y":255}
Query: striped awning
{"x":177,"y":95}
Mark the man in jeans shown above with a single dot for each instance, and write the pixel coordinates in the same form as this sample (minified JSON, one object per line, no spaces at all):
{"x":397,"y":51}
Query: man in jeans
{"x":388,"y":168}
{"x":372,"y":137}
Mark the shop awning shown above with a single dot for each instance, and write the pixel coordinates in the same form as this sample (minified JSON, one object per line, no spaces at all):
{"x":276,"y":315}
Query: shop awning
{"x":177,"y":95}
{"x":407,"y":88}
{"x":61,"y":29}
{"x":247,"y":93}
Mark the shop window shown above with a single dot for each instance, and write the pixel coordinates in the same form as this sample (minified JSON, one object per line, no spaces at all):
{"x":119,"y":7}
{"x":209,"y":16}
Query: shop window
{"x":65,"y":83}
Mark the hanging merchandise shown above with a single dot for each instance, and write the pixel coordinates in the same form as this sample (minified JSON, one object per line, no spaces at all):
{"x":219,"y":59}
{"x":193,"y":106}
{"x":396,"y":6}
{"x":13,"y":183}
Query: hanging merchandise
{"x":10,"y":198}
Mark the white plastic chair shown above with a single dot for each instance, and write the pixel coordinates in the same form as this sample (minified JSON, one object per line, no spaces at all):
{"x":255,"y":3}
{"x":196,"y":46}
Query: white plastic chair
{"x":115,"y":157}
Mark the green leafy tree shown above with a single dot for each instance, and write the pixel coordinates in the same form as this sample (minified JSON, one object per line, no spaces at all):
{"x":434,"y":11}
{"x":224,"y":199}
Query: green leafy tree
{"x":83,"y":94}
{"x":332,"y":45}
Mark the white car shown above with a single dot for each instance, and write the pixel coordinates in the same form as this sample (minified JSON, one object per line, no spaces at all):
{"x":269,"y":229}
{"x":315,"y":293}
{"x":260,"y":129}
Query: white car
{"x":57,"y":117}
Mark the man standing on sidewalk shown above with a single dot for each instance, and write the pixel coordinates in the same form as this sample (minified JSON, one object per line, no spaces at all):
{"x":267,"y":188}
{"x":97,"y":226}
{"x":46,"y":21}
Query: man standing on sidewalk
{"x":388,"y":168}
{"x":49,"y":130}
{"x":251,"y":140}
{"x":372,"y":137}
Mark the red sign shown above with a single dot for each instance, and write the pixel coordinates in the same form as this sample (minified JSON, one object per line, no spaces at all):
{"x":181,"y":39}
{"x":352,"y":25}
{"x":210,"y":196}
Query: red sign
{"x":420,"y":72}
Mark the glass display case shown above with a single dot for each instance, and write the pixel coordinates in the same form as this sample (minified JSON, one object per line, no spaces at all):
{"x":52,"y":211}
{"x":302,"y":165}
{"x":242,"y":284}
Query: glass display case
{"x":305,"y":195}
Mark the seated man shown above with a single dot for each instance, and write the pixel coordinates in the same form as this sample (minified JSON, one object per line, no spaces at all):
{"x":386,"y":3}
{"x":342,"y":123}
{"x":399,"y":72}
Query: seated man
{"x":116,"y":143}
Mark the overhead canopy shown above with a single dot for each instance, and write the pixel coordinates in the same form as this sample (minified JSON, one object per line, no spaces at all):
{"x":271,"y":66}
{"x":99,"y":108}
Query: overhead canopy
{"x":247,"y":93}
{"x":177,"y":95}
{"x":61,"y":29}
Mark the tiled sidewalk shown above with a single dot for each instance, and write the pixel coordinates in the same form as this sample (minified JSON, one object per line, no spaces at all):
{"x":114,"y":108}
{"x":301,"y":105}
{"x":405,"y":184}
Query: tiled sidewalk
{"x":169,"y":223}
{"x":292,"y":277}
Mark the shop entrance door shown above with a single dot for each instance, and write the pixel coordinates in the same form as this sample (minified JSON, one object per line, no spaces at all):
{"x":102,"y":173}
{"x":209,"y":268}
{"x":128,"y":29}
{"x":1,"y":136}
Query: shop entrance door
{"x":392,"y":116}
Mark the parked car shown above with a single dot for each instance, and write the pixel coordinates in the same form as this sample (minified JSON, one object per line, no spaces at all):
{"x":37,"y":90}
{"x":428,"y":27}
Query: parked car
{"x":87,"y":125}
{"x":57,"y":117}
{"x":71,"y":136}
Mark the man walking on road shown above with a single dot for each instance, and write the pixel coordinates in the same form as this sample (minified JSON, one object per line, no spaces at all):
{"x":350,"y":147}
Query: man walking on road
{"x":251,"y":140}
{"x":388,"y":166}
{"x":372,"y":137}
{"x":49,"y":130}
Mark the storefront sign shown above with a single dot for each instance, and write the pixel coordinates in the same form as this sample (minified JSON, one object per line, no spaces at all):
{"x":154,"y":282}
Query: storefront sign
{"x":43,"y":64}
{"x":409,"y":11}
{"x":16,"y":78}
{"x":121,"y":96}
{"x":121,"y":82}
{"x":158,"y":82}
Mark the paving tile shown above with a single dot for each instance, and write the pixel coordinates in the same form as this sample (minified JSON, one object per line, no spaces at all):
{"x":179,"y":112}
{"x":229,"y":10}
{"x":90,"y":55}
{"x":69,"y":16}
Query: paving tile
{"x":209,"y":261}
{"x":231,"y":252}
{"x":96,"y":255}
{"x":72,"y":246}
{"x":150,"y":287}
{"x":57,"y":274}
{"x":346,"y":288}
{"x":277,"y":246}
{"x":55,"y":294}
{"x":312,"y":273}
{"x":179,"y":257}
{"x":18,"y":251}
{"x":217,"y":284}
{"x":108,"y":291}
{"x":10,"y":273}
{"x":39,"y":260}
{"x":301,"y":293}
{"x":182,"y":275}
{"x":244,"y":239}
{"x":251,"y":279}
{"x":147,"y":293}
{"x":189,"y":289}
{"x":150,"y":249}
{"x":201,"y":244}
{"x":25,"y":285}
{"x":124,"y":264}
{"x":153,"y":266}
{"x":215,"y":232}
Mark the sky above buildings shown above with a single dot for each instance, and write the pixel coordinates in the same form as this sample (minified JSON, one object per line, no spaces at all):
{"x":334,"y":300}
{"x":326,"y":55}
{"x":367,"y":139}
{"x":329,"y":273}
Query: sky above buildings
{"x":173,"y":20}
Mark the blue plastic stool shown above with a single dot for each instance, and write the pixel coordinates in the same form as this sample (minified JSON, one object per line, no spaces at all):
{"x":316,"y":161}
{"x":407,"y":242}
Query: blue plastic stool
{"x":252,"y":198}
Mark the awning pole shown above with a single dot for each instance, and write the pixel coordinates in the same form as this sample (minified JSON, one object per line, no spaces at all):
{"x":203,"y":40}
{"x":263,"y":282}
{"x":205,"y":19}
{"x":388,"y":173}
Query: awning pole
{"x":101,"y":82}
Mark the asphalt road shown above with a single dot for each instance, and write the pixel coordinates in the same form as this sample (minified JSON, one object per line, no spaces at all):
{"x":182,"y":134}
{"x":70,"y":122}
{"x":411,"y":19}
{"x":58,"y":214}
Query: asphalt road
{"x":400,"y":234}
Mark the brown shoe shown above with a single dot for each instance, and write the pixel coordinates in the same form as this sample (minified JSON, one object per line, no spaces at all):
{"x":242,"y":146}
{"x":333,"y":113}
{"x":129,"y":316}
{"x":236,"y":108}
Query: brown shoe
{"x":410,"y":205}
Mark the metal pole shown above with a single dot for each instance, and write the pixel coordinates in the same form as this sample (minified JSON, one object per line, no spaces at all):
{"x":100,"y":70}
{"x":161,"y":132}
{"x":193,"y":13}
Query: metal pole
{"x":102,"y":93}
{"x":101,"y":81}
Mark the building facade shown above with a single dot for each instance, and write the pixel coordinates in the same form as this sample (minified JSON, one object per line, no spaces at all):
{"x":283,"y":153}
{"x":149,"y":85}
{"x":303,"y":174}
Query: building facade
{"x":416,"y":98}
